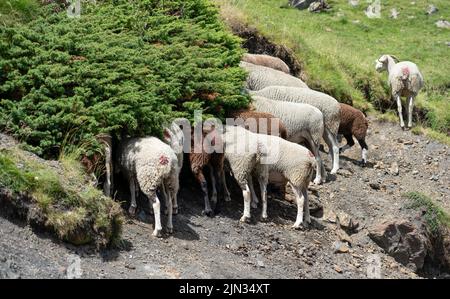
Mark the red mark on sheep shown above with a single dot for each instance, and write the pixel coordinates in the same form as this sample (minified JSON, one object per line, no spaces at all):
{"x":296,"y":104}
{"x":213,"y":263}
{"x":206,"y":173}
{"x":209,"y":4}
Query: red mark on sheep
{"x":163,"y":160}
{"x":310,"y":154}
{"x":405,"y":71}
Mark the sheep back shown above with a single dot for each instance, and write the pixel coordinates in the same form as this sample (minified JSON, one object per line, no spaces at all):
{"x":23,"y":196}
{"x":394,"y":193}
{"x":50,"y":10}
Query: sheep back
{"x":249,"y":114}
{"x":267,"y":61}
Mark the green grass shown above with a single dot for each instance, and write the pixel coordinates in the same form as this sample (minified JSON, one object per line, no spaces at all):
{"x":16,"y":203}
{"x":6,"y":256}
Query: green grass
{"x":74,"y":209}
{"x":435,"y":217}
{"x":13,"y":11}
{"x":339,"y":49}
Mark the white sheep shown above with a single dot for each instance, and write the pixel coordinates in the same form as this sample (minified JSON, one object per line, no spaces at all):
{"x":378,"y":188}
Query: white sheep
{"x":405,"y":80}
{"x":328,"y":105}
{"x":261,"y":76}
{"x":149,"y":163}
{"x":303,"y":122}
{"x":267,"y":61}
{"x":255,"y":154}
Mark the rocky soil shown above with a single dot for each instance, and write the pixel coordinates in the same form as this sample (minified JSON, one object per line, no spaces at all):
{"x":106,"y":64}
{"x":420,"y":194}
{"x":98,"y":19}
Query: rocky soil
{"x":221,"y":247}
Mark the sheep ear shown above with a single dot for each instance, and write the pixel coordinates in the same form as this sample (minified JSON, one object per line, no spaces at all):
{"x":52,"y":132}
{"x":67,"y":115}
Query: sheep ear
{"x":395,"y":58}
{"x":167,"y":135}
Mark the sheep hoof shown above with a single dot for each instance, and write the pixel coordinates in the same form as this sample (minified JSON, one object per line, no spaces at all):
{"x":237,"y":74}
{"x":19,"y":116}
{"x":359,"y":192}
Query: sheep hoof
{"x":228,"y":198}
{"x":175,"y":211}
{"x":363,"y":163}
{"x":170,"y":230}
{"x":132,"y":211}
{"x":254,"y":205}
{"x":245,"y":219}
{"x":157,"y":233}
{"x":297,"y":226}
{"x":317,"y":181}
{"x":263,"y":218}
{"x":208,"y":213}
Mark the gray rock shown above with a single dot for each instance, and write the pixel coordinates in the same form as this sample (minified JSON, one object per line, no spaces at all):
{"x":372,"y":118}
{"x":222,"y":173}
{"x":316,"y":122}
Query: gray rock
{"x":373,"y":10}
{"x":340,"y":247}
{"x":394,"y":168}
{"x":300,"y":4}
{"x":431,"y":9}
{"x":394,"y":13}
{"x":443,"y":24}
{"x":401,"y":240}
{"x":318,"y":6}
{"x":353,"y":2}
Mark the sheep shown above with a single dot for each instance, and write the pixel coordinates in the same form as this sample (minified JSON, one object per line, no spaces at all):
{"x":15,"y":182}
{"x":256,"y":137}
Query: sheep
{"x":267,"y":61}
{"x":250,"y":153}
{"x":149,"y":163}
{"x":243,"y":151}
{"x":353,"y":123}
{"x":261,"y":76}
{"x":328,"y":105}
{"x":200,"y":159}
{"x":405,"y":80}
{"x":263,"y":123}
{"x":303,"y":123}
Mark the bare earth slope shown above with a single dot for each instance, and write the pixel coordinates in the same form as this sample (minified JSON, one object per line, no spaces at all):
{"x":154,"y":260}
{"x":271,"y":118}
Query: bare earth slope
{"x":221,"y":247}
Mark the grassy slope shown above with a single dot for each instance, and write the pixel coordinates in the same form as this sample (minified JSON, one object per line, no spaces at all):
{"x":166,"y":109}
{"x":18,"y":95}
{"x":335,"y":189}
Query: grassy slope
{"x":339,"y":54}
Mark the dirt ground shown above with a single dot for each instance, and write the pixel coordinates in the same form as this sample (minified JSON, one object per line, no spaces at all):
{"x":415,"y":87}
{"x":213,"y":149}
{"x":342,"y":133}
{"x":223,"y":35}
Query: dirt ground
{"x":222,"y":247}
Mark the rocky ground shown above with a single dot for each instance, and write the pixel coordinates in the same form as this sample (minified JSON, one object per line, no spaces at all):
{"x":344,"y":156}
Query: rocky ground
{"x":221,"y":247}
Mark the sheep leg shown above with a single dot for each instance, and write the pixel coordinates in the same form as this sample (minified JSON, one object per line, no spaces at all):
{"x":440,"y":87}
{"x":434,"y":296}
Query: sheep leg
{"x":247,"y":200}
{"x":330,"y":139}
{"x":300,"y":200}
{"x":306,"y":207}
{"x":204,"y":186}
{"x":320,"y":170}
{"x":213,"y":183}
{"x":169,"y":208}
{"x":254,"y":199}
{"x":349,"y":144}
{"x":108,"y":186}
{"x":157,"y":212}
{"x":364,"y":150}
{"x":399,"y":108}
{"x":133,"y":205}
{"x":224,"y":185}
{"x":263,"y":187}
{"x":410,"y":110}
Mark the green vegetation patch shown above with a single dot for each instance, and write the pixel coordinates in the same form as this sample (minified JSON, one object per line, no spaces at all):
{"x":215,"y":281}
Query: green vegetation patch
{"x":339,"y":47}
{"x":69,"y":205}
{"x":435,"y":217}
{"x":123,"y":66}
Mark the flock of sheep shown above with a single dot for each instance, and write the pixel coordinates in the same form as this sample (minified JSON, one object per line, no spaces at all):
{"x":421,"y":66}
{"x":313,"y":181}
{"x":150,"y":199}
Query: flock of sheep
{"x":251,"y":152}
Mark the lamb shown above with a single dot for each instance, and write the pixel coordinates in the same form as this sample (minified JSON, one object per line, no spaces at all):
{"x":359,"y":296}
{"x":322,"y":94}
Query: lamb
{"x":149,"y":163}
{"x":354,"y":123}
{"x":405,"y":80}
{"x":199,"y":160}
{"x":303,"y":122}
{"x":264,"y":153}
{"x":267,"y":61}
{"x":328,"y":105}
{"x":261,"y":76}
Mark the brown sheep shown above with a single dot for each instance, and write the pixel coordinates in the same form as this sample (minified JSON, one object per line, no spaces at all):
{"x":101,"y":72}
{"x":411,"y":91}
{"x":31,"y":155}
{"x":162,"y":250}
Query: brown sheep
{"x":199,"y":160}
{"x":268,"y":61}
{"x":249,"y":114}
{"x":353,"y":123}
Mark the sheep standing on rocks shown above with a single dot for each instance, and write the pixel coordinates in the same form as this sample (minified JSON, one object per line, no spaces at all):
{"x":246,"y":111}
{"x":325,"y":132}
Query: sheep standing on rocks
{"x":267,"y":61}
{"x":200,"y":159}
{"x":405,"y":80}
{"x":303,"y":123}
{"x":354,"y":123}
{"x":328,"y":105}
{"x":149,"y":163}
{"x":261,"y":76}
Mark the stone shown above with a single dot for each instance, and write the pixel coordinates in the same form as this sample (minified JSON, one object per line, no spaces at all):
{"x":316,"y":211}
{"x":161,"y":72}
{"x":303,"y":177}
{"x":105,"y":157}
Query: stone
{"x":337,"y":269}
{"x":343,"y":236}
{"x":373,"y":10}
{"x":431,"y":9}
{"x":340,"y":247}
{"x":318,"y":6}
{"x":394,"y":168}
{"x":394,"y":13}
{"x":443,"y":24}
{"x":347,"y":222}
{"x":353,"y":2}
{"x":374,"y":186}
{"x":402,"y":240}
{"x":300,"y":4}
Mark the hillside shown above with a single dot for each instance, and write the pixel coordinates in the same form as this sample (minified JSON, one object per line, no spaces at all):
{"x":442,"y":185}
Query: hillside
{"x":338,"y":49}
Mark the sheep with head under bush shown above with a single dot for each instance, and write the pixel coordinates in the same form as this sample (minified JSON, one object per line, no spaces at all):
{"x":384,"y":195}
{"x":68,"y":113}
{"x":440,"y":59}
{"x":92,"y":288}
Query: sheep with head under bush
{"x":267,"y":61}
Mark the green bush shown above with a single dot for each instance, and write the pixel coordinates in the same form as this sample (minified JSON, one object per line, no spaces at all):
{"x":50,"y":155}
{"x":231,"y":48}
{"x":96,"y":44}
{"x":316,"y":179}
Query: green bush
{"x":123,"y":66}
